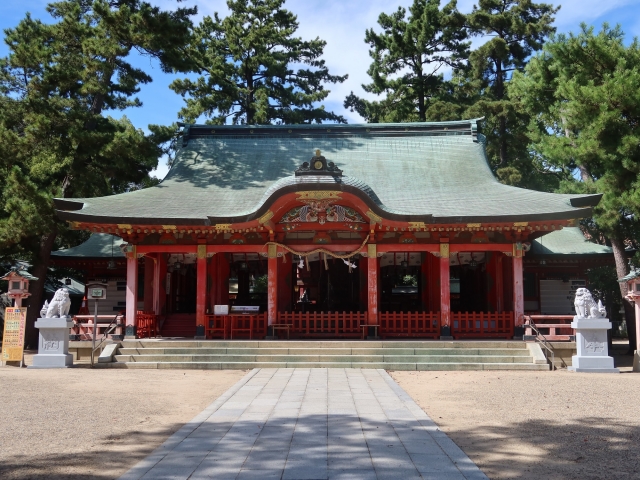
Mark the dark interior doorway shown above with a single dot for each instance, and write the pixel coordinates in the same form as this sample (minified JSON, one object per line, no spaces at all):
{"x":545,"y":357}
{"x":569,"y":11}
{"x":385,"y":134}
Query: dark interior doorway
{"x":327,"y":288}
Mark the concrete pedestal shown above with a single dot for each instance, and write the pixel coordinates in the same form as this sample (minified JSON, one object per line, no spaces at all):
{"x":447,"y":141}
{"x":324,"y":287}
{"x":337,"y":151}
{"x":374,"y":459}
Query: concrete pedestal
{"x":591,"y":343}
{"x":53,"y":345}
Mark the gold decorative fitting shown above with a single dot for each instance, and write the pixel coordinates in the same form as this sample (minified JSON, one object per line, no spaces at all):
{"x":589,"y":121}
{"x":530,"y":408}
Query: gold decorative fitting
{"x":74,"y":225}
{"x":124,"y":226}
{"x":319,"y":195}
{"x":169,"y":227}
{"x":373,"y":217}
{"x":474,"y":225}
{"x":266,"y":217}
{"x":444,"y":250}
{"x":202,"y":252}
{"x":521,"y":224}
{"x":222,"y":227}
{"x":417,"y":225}
{"x":272,"y":251}
{"x":372,"y":250}
{"x":318,"y":152}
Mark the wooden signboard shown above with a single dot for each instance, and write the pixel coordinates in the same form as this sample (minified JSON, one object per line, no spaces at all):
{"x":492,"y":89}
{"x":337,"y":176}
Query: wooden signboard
{"x":13,"y":336}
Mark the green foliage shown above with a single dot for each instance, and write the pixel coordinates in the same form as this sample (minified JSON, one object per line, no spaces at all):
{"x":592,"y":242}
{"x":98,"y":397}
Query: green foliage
{"x":409,"y":280}
{"x":261,"y":283}
{"x":408,"y":59}
{"x":516,"y":29}
{"x":604,"y":286}
{"x":55,"y":84}
{"x":583,"y":93}
{"x":245,"y":65}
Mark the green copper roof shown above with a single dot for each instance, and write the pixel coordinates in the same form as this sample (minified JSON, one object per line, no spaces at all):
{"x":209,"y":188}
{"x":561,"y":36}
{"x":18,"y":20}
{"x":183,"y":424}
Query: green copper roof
{"x":432,"y":172}
{"x":568,"y":241}
{"x":99,"y":245}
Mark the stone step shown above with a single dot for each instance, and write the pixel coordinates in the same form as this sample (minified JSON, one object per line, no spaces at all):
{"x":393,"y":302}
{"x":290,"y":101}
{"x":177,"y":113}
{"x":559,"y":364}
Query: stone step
{"x":324,"y":351}
{"x":159,"y":343}
{"x":386,"y":366}
{"x":325,"y":358}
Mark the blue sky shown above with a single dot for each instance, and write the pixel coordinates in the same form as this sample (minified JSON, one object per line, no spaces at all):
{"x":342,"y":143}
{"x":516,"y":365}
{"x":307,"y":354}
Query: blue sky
{"x":341,"y":23}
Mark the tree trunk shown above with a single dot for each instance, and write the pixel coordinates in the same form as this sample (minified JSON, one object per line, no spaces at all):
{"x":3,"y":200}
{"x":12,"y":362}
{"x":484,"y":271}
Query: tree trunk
{"x":36,"y":288}
{"x":622,"y":269}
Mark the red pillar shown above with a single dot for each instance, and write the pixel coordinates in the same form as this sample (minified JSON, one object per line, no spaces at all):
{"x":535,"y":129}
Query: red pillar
{"x":518,"y":293}
{"x":637,"y":301}
{"x":425,"y":282}
{"x":499,"y":283}
{"x":161,"y":285}
{"x":149,"y":290}
{"x":201,"y":284}
{"x":132,"y":292}
{"x":445,"y":289}
{"x":372,"y":284}
{"x":285,"y":285}
{"x":272,"y":285}
{"x":495,"y":292}
{"x":157,"y":286}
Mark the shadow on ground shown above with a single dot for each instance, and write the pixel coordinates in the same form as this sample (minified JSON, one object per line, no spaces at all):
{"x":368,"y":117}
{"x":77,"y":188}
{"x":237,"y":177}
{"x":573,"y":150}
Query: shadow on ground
{"x":107,"y":459}
{"x":591,"y":448}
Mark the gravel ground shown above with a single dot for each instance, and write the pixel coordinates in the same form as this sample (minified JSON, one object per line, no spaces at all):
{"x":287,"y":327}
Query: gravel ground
{"x":533,"y":425}
{"x":82,"y":423}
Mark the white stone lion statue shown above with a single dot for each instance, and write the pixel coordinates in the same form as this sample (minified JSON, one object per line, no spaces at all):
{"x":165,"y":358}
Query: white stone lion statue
{"x":59,"y":306}
{"x":586,"y":306}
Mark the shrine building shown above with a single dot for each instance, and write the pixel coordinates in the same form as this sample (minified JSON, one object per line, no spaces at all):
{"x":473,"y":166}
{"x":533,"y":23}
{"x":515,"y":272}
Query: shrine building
{"x":328,"y":229}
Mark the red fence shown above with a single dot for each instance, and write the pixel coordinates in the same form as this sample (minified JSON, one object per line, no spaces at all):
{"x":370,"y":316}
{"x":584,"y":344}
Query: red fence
{"x":409,"y":324}
{"x":338,"y":324}
{"x":146,"y":325}
{"x":234,"y":326}
{"x":552,"y":327}
{"x":479,"y":324}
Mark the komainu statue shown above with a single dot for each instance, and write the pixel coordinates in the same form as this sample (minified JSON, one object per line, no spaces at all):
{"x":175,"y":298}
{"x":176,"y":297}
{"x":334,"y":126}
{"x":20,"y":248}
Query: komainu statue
{"x":59,"y":306}
{"x":586,"y":306}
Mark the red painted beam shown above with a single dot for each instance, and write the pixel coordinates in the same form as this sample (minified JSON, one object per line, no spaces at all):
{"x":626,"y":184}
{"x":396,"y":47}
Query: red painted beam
{"x":167,"y":248}
{"x":408,"y":247}
{"x":480,"y":247}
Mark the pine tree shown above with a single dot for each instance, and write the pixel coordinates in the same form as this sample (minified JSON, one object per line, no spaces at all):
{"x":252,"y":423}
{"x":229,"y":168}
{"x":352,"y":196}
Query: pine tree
{"x":583,"y":94}
{"x":245,"y":65}
{"x":55,"y":140}
{"x":517,"y":28}
{"x":409,"y":60}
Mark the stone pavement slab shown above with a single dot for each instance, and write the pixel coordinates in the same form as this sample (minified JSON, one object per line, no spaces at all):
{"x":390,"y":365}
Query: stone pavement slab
{"x":313,"y":423}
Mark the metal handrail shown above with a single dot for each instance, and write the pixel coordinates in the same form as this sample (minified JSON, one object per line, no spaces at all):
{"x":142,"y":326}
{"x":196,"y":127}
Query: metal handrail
{"x":105,"y":335}
{"x":542,"y":341}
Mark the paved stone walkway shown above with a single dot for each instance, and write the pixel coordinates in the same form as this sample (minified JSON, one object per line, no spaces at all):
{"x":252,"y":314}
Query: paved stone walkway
{"x":310,"y":424}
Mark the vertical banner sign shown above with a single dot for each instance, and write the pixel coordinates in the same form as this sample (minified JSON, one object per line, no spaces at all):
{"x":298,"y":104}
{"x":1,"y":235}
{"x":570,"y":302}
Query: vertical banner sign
{"x":15,"y":319}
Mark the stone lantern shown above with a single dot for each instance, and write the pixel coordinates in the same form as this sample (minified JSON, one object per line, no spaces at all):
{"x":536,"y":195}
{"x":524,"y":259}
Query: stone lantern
{"x":18,"y":285}
{"x":633,"y":294}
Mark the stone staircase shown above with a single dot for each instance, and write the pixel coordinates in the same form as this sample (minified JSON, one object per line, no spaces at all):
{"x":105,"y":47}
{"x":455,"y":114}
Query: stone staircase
{"x":389,"y":355}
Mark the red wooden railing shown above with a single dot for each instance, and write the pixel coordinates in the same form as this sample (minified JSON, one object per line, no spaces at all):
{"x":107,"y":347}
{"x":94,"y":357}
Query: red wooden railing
{"x":409,"y":324}
{"x":480,"y":324}
{"x":83,"y":325}
{"x":146,"y":324}
{"x":552,"y":327}
{"x":339,"y":324}
{"x":235,"y":326}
